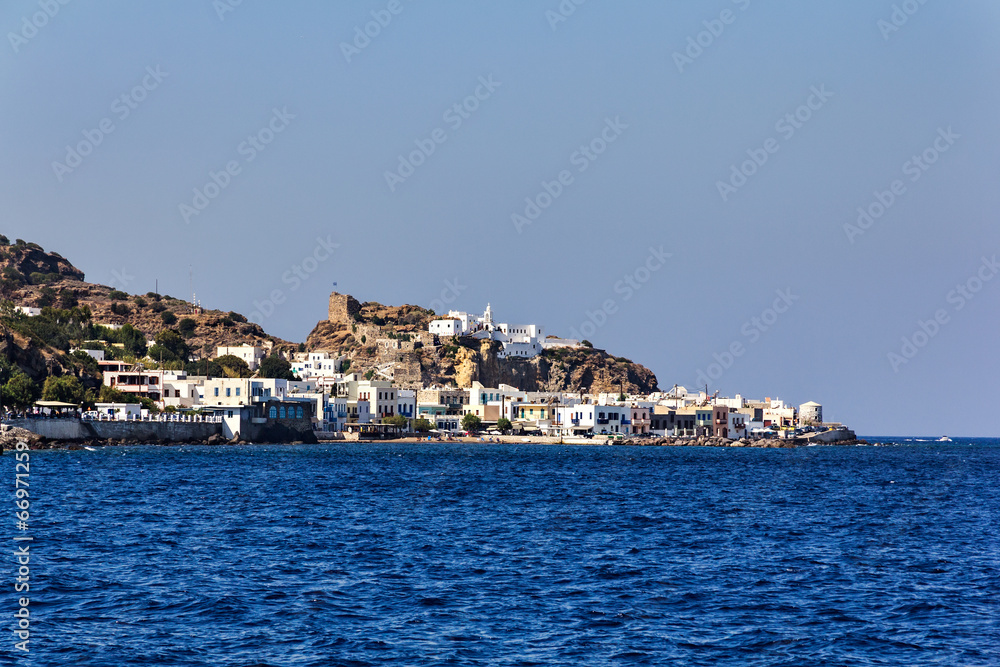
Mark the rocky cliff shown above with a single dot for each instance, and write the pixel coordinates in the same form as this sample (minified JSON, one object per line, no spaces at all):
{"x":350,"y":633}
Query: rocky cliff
{"x":392,"y":341}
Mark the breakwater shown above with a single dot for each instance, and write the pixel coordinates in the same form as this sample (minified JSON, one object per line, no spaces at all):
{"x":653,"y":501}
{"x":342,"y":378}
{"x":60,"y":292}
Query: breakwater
{"x":132,"y":430}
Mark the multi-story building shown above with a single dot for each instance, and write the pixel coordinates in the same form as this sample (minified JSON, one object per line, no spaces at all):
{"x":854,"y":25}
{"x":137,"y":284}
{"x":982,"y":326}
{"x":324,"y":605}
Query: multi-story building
{"x":309,"y":365}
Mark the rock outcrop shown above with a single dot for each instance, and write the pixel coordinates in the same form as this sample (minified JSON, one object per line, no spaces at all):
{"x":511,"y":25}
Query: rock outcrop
{"x":392,"y":341}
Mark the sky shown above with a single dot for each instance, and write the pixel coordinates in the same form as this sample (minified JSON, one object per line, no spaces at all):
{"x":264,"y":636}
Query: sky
{"x":785,"y":200}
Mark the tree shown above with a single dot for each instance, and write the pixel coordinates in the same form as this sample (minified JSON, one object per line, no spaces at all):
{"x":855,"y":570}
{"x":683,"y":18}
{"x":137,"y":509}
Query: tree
{"x":276,"y":367}
{"x":112,"y":395}
{"x":233,"y":366}
{"x":117,"y":295}
{"x":20,"y":391}
{"x":422,"y":425}
{"x":621,"y":397}
{"x":169,"y":346}
{"x":133,"y":340}
{"x":64,"y":388}
{"x":168,"y":318}
{"x":396,"y":420}
{"x":471,"y":422}
{"x":504,"y":425}
{"x":149,"y":404}
{"x":186,"y":327}
{"x":586,"y":343}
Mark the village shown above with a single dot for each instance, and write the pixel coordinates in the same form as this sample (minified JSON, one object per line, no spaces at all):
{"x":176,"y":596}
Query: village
{"x":321,"y":398}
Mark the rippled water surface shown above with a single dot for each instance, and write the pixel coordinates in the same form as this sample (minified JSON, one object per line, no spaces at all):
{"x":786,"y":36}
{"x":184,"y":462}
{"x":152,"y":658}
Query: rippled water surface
{"x":514,"y":555}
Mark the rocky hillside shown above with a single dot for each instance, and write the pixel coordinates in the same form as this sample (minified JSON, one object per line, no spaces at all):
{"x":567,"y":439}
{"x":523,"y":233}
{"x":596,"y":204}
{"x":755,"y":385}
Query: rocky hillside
{"x":379,"y":340}
{"x":392,"y":342}
{"x":30,"y":276}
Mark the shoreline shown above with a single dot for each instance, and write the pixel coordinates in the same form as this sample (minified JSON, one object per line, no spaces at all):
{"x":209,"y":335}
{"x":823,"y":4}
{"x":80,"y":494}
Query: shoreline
{"x":36,"y":442}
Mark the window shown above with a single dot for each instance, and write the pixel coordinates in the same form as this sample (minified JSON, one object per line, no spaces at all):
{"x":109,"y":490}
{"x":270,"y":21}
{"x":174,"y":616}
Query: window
{"x":298,"y":413}
{"x":273,"y":412}
{"x":237,"y":391}
{"x":216,"y":391}
{"x":281,"y":412}
{"x":228,"y":392}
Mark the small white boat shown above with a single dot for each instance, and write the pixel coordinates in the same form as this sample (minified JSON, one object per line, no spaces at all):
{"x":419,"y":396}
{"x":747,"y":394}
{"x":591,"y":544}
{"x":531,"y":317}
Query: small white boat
{"x":944,"y":438}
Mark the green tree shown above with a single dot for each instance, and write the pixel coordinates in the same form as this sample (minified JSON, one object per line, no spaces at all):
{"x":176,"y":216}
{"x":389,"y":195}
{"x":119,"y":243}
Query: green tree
{"x":168,"y":318}
{"x":233,"y":366}
{"x":276,"y":367}
{"x":586,"y":343}
{"x":186,"y":327}
{"x":422,"y":425}
{"x":112,"y":395}
{"x":471,"y":422}
{"x":396,"y":420}
{"x":64,"y":388}
{"x":20,"y":391}
{"x":504,"y":425}
{"x":169,"y":346}
{"x":117,"y":295}
{"x":133,"y":340}
{"x":149,"y":404}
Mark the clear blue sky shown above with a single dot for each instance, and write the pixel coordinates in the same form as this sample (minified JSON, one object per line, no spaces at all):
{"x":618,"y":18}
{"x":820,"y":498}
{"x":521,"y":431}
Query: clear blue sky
{"x":199,"y":82}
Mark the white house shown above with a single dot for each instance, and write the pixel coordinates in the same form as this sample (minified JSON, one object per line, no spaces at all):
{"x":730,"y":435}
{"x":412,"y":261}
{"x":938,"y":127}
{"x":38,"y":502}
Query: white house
{"x":406,"y":403}
{"x":316,"y":365}
{"x":449,"y":327}
{"x":119,"y":411}
{"x":243,"y":391}
{"x":737,"y":426}
{"x":28,"y":310}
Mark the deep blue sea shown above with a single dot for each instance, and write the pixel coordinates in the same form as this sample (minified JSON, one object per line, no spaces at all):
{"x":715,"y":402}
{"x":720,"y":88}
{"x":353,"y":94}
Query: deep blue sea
{"x":440,"y":554}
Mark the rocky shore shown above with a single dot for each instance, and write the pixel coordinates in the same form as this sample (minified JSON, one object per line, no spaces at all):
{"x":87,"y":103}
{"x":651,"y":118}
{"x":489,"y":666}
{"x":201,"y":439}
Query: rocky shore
{"x":712,"y":441}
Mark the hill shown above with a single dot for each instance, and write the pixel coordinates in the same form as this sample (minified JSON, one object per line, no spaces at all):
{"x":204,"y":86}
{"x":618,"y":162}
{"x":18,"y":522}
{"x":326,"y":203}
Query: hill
{"x":393,"y":342}
{"x":378,"y":340}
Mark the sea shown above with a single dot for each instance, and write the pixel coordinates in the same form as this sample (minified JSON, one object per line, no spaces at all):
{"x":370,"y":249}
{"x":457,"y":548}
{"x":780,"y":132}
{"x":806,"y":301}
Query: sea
{"x":518,"y":554}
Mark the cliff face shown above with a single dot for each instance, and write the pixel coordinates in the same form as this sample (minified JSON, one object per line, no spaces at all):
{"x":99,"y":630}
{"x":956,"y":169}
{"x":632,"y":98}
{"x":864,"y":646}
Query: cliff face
{"x":392,"y":341}
{"x":561,"y":369}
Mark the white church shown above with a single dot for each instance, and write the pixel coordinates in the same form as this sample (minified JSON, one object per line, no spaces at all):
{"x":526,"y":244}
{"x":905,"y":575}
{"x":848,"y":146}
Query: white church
{"x":519,"y":340}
